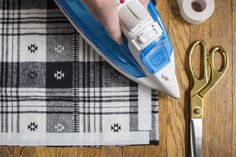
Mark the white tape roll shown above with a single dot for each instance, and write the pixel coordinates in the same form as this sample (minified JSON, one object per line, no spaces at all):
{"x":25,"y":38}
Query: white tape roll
{"x":196,"y":11}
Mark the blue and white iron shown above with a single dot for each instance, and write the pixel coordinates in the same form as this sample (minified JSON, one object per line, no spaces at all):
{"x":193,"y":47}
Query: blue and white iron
{"x":145,"y":57}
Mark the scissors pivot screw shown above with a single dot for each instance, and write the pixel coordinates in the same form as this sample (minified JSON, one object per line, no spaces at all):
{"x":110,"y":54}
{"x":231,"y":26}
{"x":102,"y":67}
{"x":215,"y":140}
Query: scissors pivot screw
{"x":197,"y":111}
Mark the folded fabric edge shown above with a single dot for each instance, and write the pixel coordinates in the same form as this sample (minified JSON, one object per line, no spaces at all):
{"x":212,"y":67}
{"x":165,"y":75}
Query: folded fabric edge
{"x":75,"y":139}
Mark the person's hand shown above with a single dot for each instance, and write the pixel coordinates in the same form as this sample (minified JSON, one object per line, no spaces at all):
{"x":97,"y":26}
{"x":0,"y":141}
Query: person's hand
{"x":105,"y":11}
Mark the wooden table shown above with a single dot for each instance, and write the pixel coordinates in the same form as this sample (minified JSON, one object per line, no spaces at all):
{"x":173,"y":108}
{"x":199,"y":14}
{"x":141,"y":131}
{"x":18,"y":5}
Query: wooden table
{"x":220,"y":109}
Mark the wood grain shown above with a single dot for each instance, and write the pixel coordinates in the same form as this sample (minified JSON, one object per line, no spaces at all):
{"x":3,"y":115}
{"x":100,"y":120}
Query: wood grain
{"x":234,"y":76}
{"x":220,"y":109}
{"x":221,"y":103}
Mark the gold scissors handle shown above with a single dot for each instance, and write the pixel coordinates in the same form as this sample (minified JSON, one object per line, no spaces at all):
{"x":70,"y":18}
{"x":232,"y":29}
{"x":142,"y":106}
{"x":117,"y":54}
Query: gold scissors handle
{"x":211,"y":75}
{"x":199,"y":83}
{"x":216,"y":75}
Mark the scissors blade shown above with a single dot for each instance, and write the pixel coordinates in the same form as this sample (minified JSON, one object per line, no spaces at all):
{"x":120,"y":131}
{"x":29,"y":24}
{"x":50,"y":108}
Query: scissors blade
{"x":196,"y":137}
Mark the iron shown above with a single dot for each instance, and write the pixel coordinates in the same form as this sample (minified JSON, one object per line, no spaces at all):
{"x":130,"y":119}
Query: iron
{"x":146,"y":55}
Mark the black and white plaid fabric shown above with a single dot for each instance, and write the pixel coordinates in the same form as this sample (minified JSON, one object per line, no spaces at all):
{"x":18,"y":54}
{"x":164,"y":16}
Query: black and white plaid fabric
{"x":55,"y":90}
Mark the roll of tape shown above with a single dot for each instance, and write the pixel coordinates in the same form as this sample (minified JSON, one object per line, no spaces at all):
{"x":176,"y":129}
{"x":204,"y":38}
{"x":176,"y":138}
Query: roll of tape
{"x":196,"y":11}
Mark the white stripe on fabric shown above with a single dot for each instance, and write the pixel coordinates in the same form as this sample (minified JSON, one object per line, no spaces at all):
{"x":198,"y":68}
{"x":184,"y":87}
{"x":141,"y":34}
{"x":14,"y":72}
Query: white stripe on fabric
{"x":144,"y":108}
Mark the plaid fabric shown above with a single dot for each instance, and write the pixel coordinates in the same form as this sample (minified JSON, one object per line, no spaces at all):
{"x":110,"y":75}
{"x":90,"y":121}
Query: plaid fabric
{"x":55,"y":87}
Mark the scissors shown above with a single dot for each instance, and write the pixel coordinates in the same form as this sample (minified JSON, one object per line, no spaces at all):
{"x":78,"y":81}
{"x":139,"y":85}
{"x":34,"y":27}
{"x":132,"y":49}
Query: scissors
{"x":201,"y":87}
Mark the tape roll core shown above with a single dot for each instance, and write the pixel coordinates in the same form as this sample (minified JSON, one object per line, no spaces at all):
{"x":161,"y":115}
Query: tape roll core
{"x":199,"y":5}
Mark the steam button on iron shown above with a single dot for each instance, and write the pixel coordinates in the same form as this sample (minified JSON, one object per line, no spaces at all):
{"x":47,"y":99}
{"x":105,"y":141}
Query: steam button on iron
{"x":122,"y":1}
